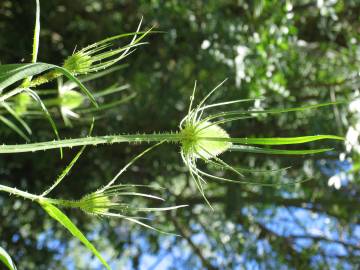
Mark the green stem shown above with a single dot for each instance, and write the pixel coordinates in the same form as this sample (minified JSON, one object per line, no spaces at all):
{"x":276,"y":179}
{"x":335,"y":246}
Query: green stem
{"x":69,"y":143}
{"x":17,"y":192}
{"x":33,"y":197}
{"x":47,"y":77}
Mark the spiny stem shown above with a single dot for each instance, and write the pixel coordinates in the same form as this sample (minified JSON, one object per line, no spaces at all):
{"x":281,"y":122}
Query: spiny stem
{"x":47,"y":77}
{"x":33,"y":197}
{"x":17,"y":192}
{"x":132,"y":138}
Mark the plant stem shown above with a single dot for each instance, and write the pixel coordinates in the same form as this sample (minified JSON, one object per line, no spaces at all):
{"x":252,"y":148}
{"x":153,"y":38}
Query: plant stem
{"x":39,"y":198}
{"x":132,"y":138}
{"x":17,"y":192}
{"x":47,"y":77}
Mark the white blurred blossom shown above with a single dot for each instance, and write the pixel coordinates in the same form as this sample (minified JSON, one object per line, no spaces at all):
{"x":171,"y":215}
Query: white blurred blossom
{"x":352,"y":139}
{"x":335,"y":181}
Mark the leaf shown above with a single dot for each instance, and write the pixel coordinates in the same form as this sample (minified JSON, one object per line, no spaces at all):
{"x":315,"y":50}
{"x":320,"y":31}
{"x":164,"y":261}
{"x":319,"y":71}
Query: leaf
{"x":276,"y":141}
{"x":6,"y":259}
{"x":68,"y":167}
{"x":69,"y":85}
{"x":251,"y":149}
{"x":14,"y":127}
{"x":271,"y":111}
{"x":36,"y":33}
{"x":17,"y":117}
{"x":12,"y":73}
{"x":35,"y":47}
{"x":36,"y":97}
{"x":64,"y":172}
{"x":58,"y":215}
{"x":107,"y":106}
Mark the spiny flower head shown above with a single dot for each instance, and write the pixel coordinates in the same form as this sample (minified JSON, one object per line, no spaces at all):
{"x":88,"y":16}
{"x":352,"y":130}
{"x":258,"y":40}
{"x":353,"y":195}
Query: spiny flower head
{"x":202,"y":138}
{"x":112,"y":201}
{"x":78,"y":63}
{"x":193,"y":142}
{"x":101,"y":54}
{"x":96,"y":203}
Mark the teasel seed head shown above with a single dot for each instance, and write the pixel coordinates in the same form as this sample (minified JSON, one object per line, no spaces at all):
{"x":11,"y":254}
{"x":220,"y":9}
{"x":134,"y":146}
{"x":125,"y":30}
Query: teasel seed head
{"x":202,"y":138}
{"x":102,"y":54}
{"x":194,"y":140}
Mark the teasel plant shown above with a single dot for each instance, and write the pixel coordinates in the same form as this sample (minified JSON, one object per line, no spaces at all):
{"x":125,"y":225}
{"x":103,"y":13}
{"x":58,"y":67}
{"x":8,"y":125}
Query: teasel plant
{"x":109,"y":201}
{"x":21,"y":99}
{"x":201,"y":136}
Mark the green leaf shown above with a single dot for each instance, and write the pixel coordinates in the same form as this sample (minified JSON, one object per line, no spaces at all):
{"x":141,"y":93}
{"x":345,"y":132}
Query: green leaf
{"x":14,"y":127}
{"x":251,"y":149}
{"x":64,"y":172}
{"x":6,"y":259}
{"x":36,"y":97}
{"x":271,"y":111}
{"x":35,"y":47}
{"x":58,"y":215}
{"x":12,"y":73}
{"x":36,"y":33}
{"x":69,"y":167}
{"x":78,"y":82}
{"x":107,"y":106}
{"x":276,"y":141}
{"x":17,"y":116}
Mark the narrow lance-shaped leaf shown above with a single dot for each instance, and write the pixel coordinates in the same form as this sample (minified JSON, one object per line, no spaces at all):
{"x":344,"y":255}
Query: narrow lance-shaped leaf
{"x":275,"y":141}
{"x":17,"y":116}
{"x":35,"y":47}
{"x":271,"y":151}
{"x":46,"y":113}
{"x":270,"y":111}
{"x":14,"y":127}
{"x":13,"y":73}
{"x":6,"y":259}
{"x":59,"y":216}
{"x":36,"y":33}
{"x":68,"y":168}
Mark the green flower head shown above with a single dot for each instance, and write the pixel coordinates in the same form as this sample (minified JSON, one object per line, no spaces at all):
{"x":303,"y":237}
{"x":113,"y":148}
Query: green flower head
{"x":112,"y":201}
{"x":102,"y":54}
{"x":203,"y":138}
